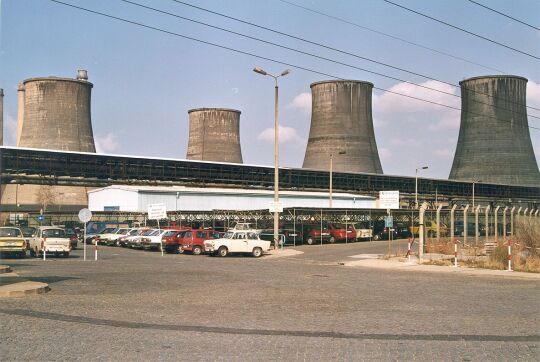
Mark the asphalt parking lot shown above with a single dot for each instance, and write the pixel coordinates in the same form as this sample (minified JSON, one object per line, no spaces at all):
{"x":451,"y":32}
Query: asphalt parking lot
{"x":135,"y":305}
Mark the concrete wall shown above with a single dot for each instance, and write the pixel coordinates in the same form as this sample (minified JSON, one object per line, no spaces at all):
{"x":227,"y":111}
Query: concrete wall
{"x":214,"y":135}
{"x":494,"y":142}
{"x":341,"y":121}
{"x":125,"y":199}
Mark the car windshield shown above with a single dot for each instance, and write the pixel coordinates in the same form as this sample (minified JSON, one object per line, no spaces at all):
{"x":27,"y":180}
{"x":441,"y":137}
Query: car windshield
{"x":28,"y":231}
{"x":134,"y":232}
{"x":362,"y":225}
{"x":70,"y":232}
{"x":108,"y":231}
{"x":228,"y":235}
{"x":121,"y":231}
{"x":340,"y":226}
{"x":54,"y":233}
{"x":10,"y":232}
{"x":148,"y":232}
{"x":169,"y":233}
{"x":154,"y":233}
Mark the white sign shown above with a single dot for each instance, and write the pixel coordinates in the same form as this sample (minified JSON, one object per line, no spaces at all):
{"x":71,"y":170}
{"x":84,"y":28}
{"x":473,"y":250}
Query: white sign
{"x":85,"y":215}
{"x":157,"y":211}
{"x":389,"y":199}
{"x":276,"y":206}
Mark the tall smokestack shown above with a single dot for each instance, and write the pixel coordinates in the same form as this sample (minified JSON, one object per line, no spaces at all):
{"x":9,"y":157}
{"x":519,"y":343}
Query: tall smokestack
{"x":494,"y":142}
{"x":342,"y":126}
{"x":20,"y":112}
{"x":214,"y":135}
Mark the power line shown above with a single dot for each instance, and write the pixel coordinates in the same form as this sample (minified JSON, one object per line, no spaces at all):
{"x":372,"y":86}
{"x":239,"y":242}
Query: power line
{"x":344,"y":52}
{"x":307,"y":53}
{"x":390,"y":36}
{"x":505,"y":15}
{"x":254,"y":55}
{"x":461,"y":29}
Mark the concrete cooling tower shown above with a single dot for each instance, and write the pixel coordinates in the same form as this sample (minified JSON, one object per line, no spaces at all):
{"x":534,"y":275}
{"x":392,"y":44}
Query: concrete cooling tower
{"x":494,"y":143}
{"x":57,"y":114}
{"x":214,"y":135}
{"x":342,"y":126}
{"x":1,"y":117}
{"x":54,"y":113}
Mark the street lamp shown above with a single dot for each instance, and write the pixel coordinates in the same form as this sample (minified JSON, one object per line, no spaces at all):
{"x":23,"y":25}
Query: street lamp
{"x":331,"y":178}
{"x":473,"y":184}
{"x":416,"y":185}
{"x":276,"y":151}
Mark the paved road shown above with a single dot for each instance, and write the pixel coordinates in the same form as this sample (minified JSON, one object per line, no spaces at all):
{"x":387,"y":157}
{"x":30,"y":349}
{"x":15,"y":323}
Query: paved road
{"x":134,"y":305}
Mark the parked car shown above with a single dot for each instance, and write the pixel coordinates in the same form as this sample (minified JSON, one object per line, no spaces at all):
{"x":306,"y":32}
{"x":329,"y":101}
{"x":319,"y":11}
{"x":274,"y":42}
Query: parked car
{"x":459,"y":229}
{"x":51,"y":240}
{"x":154,"y":240}
{"x":363,"y":230}
{"x":73,"y":237}
{"x":106,"y":235}
{"x":430,"y":229}
{"x":171,"y":241}
{"x":12,"y":242}
{"x":341,"y":232}
{"x":239,"y":241}
{"x":313,"y":234}
{"x":380,"y":232}
{"x":290,"y":235}
{"x":111,"y":239}
{"x":135,"y":241}
{"x":28,"y":233}
{"x":193,"y":240}
{"x":124,"y":240}
{"x":94,"y":228}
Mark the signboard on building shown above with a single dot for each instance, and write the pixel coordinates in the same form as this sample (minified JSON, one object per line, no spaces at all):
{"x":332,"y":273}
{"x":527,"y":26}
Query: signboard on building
{"x":157,"y":211}
{"x":276,"y":206}
{"x":389,"y":199}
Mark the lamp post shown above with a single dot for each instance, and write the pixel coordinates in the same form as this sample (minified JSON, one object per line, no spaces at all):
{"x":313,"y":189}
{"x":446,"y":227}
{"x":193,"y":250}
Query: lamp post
{"x":276,"y":150}
{"x":473,"y":187}
{"x":331,"y":177}
{"x":416,"y":185}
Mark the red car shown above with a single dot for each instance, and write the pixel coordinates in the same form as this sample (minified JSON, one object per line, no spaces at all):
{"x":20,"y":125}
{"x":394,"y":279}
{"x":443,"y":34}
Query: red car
{"x":171,"y":240}
{"x":193,"y":240}
{"x":339,"y":233}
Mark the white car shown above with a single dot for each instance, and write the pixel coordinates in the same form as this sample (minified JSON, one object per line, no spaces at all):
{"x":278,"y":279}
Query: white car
{"x":238,"y":241}
{"x":153,"y":241}
{"x":106,"y":235}
{"x":51,"y":240}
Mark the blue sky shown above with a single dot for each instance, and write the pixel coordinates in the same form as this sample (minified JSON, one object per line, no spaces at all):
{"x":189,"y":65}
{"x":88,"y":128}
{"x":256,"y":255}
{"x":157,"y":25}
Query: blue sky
{"x":146,"y":81}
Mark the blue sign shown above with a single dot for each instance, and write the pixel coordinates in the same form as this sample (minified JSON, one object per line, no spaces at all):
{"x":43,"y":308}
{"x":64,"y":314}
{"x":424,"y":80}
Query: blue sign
{"x":389,"y":221}
{"x":40,"y":218}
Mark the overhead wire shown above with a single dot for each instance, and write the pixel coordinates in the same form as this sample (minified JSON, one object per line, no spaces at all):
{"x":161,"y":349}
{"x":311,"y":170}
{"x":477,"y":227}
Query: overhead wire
{"x":333,"y":17}
{"x":343,"y":52}
{"x":503,"y":14}
{"x":461,"y":29}
{"x":252,"y":54}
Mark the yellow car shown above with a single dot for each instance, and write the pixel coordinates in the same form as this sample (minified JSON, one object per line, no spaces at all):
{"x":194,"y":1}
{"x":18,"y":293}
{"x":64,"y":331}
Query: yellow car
{"x":12,"y":241}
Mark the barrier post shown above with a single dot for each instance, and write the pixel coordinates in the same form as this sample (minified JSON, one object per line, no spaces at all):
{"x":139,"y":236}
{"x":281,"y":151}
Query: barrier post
{"x":510,"y":255}
{"x":95,"y":249}
{"x":44,"y":250}
{"x":455,"y":253}
{"x":409,"y":250}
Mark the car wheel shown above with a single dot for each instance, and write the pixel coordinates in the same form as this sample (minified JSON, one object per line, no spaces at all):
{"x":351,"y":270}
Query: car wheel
{"x":332,"y":240}
{"x":197,"y":250}
{"x":376,"y":237}
{"x":222,"y":251}
{"x":257,"y":252}
{"x":310,"y":241}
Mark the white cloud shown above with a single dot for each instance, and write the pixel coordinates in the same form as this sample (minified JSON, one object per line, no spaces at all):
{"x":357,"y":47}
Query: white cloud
{"x":106,"y":144}
{"x":286,"y":135}
{"x":395,"y":103}
{"x":533,"y":94}
{"x":301,"y":102}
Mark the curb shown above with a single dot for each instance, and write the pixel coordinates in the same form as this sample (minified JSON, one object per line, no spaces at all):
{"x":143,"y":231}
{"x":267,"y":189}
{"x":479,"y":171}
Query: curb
{"x":23,"y":288}
{"x":5,"y":269}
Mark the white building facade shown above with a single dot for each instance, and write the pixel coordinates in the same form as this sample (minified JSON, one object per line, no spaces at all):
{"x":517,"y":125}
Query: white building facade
{"x":179,"y":198}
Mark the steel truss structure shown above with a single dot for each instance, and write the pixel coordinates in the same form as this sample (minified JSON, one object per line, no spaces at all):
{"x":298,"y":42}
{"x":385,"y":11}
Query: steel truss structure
{"x":50,"y":167}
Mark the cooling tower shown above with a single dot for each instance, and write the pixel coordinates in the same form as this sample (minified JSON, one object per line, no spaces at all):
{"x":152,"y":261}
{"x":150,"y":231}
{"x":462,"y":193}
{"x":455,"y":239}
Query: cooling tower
{"x":57,"y":114}
{"x":342,"y":126}
{"x":214,"y":135}
{"x":494,"y":143}
{"x":54,"y":113}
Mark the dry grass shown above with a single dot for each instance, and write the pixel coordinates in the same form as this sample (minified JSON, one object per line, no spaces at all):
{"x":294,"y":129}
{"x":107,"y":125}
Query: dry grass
{"x":439,"y":262}
{"x":446,"y":248}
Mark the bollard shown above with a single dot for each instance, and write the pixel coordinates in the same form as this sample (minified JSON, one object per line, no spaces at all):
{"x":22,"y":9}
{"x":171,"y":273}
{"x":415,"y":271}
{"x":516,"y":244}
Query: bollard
{"x":455,"y":253}
{"x":44,"y":250}
{"x":509,"y":255}
{"x":409,"y":250}
{"x":95,"y":251}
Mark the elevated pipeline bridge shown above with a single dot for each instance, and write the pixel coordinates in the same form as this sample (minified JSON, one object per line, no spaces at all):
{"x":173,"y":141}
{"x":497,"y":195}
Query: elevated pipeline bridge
{"x":51,"y":167}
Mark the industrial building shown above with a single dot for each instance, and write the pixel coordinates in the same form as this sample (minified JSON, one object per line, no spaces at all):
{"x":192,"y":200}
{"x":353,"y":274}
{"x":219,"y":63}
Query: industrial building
{"x":494,"y":142}
{"x":342,"y":128}
{"x":179,"y":198}
{"x":214,"y":135}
